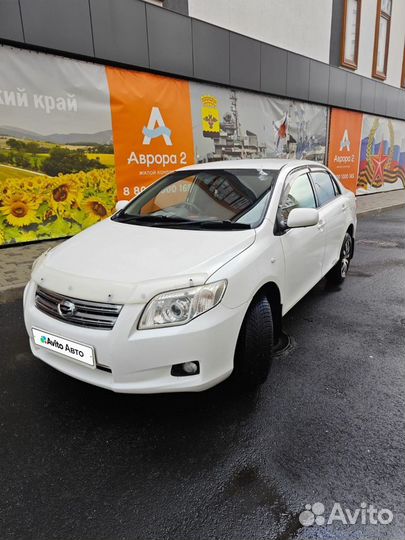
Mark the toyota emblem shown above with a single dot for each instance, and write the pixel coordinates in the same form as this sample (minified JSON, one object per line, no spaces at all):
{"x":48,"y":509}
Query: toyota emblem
{"x":66,"y":309}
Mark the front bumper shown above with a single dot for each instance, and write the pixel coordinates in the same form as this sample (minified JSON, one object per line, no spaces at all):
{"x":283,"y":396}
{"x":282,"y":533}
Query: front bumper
{"x":141,"y":360}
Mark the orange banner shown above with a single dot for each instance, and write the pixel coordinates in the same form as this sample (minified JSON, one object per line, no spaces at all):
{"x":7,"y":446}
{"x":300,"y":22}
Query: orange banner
{"x":344,"y":146}
{"x":152,"y":127}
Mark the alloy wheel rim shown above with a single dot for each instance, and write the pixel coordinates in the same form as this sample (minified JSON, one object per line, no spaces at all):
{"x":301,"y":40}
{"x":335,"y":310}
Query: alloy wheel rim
{"x":345,"y":259}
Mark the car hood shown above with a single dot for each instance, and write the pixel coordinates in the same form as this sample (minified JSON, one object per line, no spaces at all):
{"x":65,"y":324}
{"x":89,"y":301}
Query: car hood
{"x":122,"y":263}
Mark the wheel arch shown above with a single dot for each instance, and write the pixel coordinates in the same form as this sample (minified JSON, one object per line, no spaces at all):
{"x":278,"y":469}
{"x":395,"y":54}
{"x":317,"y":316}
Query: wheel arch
{"x":273,"y":295}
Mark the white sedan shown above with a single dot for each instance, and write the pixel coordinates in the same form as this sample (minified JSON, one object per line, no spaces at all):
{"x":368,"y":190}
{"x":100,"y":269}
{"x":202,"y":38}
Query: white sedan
{"x":187,"y":284}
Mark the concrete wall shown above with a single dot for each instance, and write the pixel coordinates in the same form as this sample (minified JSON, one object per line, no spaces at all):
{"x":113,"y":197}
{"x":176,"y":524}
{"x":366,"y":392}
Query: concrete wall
{"x":301,"y":26}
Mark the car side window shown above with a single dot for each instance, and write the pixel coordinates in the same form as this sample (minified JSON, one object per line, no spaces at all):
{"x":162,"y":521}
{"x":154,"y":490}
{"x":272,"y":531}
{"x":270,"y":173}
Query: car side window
{"x":299,"y":194}
{"x":324,"y":187}
{"x":336,"y":186}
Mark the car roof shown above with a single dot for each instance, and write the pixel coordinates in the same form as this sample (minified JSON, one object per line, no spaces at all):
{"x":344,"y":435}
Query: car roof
{"x":271,"y":164}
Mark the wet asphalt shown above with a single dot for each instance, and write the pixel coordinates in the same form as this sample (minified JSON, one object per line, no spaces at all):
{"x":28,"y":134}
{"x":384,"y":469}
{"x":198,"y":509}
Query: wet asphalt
{"x":78,"y":462}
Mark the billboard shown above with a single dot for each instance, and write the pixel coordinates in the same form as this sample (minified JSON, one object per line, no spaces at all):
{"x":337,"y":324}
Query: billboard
{"x":75,"y":137}
{"x":152,"y":126}
{"x":382,"y":155}
{"x":367,"y":152}
{"x":233,"y":124}
{"x":344,"y":146}
{"x":56,"y":154}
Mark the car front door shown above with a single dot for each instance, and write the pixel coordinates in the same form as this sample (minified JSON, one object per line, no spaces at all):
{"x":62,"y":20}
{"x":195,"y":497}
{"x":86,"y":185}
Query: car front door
{"x":303,"y":247}
{"x":332,"y":209}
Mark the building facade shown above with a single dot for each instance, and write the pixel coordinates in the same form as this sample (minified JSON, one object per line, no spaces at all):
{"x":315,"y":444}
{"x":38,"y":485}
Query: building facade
{"x":99,"y":98}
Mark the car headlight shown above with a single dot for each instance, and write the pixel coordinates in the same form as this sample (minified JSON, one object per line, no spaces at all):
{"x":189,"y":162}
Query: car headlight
{"x":180,"y":307}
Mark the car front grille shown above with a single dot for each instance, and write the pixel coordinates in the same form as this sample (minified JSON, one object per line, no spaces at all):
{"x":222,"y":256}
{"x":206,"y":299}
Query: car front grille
{"x":74,"y":311}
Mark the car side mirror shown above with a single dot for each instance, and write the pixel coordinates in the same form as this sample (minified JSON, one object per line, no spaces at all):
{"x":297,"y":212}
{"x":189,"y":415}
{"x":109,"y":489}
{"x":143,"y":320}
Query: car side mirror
{"x":302,"y":217}
{"x":120,"y":205}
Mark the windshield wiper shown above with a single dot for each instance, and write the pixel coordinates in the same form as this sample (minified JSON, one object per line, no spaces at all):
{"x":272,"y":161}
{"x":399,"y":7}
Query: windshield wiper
{"x":149,"y":218}
{"x":218,"y":224}
{"x":177,"y":220}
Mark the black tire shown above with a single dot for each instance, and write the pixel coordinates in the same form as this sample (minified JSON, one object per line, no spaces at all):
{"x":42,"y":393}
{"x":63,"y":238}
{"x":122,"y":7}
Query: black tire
{"x":338,"y":273}
{"x":254,"y":348}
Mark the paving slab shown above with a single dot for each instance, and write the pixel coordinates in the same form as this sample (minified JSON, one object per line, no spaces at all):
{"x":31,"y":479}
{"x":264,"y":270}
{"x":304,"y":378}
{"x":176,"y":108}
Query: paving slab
{"x":379,"y":201}
{"x":16,"y":263}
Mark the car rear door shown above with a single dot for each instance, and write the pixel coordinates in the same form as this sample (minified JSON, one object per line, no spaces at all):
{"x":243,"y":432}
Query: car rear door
{"x":303,"y":247}
{"x":332,"y":208}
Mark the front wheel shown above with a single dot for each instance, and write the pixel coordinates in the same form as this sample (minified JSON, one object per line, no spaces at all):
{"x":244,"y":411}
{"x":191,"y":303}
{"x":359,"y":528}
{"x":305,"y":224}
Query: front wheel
{"x":338,"y":273}
{"x":254,"y":348}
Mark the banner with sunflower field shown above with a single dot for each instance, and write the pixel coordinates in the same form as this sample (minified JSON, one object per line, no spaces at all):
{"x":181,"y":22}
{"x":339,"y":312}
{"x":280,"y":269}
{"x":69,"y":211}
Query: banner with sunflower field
{"x":57,"y":169}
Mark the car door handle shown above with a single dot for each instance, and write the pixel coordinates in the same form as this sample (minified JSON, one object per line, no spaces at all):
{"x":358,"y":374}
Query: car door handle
{"x":344,"y":207}
{"x":321,"y":224}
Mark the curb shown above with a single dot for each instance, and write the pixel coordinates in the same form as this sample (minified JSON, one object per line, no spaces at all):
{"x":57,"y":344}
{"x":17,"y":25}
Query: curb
{"x":379,"y":209}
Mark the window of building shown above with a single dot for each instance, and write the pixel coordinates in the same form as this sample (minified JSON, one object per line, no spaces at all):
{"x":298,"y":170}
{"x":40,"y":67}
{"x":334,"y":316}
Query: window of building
{"x":350,"y":33}
{"x":382,"y":38}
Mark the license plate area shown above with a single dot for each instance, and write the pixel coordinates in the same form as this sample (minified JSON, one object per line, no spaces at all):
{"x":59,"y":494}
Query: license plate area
{"x":73,"y":350}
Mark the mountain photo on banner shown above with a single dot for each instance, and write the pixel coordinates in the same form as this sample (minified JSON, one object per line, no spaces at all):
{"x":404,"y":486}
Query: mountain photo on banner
{"x":382,"y":155}
{"x":233,"y":124}
{"x":57,"y":171}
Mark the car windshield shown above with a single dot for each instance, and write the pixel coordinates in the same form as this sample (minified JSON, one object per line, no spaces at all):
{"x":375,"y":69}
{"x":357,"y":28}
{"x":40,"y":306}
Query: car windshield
{"x":224,"y":199}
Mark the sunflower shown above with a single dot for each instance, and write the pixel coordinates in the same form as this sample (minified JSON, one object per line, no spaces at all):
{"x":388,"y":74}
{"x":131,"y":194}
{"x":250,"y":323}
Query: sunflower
{"x":99,"y":181}
{"x":2,"y":238}
{"x":29,"y":184}
{"x":20,"y":209}
{"x":96,"y":208}
{"x":63,"y":191}
{"x":6,"y":187}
